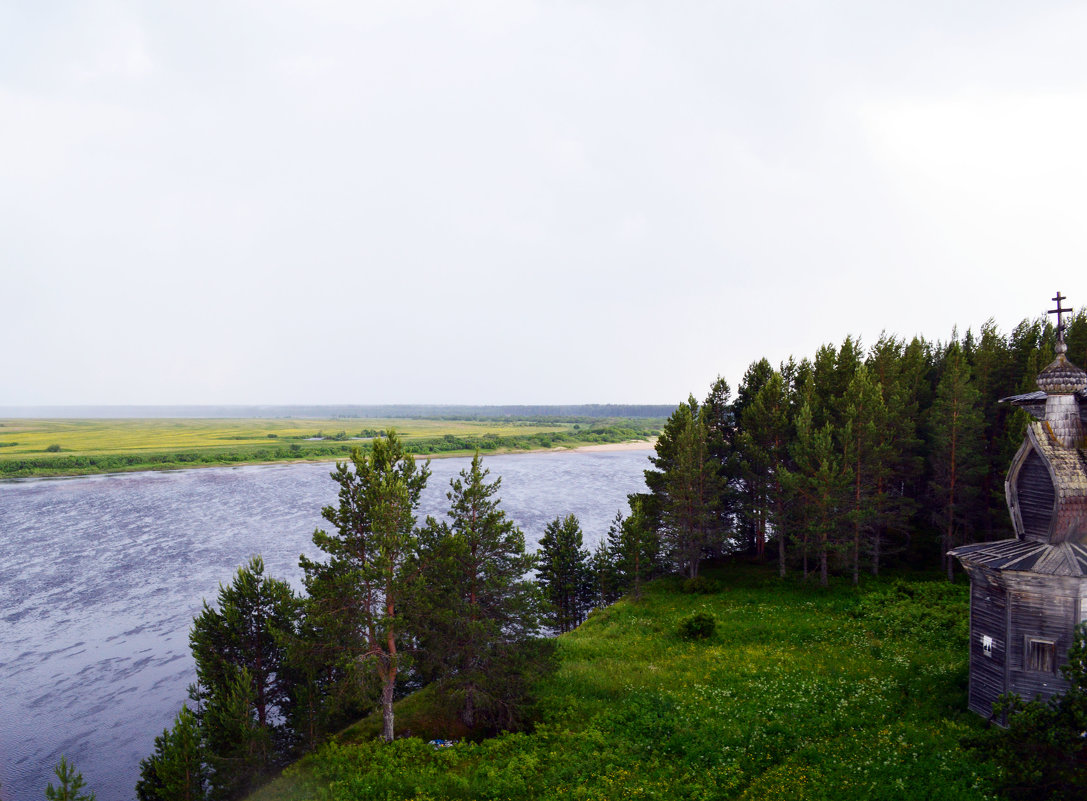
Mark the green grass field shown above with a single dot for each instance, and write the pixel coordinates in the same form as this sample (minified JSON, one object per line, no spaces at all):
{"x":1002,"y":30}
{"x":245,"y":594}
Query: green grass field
{"x":801,"y":693}
{"x":72,"y":447}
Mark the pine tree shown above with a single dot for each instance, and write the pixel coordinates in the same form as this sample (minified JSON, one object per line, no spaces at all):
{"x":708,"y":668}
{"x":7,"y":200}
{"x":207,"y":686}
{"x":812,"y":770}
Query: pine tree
{"x":563,"y":573}
{"x":664,"y":460}
{"x":237,"y":747}
{"x":864,"y":435}
{"x":472,"y":609}
{"x":239,"y":732}
{"x":719,"y":417}
{"x":991,"y":367}
{"x":71,"y":783}
{"x":689,"y":524}
{"x":762,"y":446}
{"x":604,"y":566}
{"x":816,"y":488}
{"x":635,"y":550}
{"x":363,"y":581}
{"x":823,"y":387}
{"x":955,"y":452}
{"x":899,"y":371}
{"x":245,"y":632}
{"x":176,"y":770}
{"x":332,"y":686}
{"x":751,"y":468}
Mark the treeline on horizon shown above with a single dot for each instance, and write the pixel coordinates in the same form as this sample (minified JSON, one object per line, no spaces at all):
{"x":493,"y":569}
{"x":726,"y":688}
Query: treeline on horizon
{"x":855,"y":458}
{"x":350,"y":411}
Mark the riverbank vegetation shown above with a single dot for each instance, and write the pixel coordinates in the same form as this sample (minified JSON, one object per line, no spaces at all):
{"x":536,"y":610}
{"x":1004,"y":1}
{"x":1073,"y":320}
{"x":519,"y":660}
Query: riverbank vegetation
{"x":799,"y":692}
{"x":391,"y":606}
{"x":79,"y":447}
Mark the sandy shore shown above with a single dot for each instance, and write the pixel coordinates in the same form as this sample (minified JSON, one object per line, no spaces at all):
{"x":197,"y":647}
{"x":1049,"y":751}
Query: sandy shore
{"x":633,"y":445}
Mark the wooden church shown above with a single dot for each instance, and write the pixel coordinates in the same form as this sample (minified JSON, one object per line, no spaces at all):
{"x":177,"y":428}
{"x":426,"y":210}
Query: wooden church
{"x":1028,"y":593}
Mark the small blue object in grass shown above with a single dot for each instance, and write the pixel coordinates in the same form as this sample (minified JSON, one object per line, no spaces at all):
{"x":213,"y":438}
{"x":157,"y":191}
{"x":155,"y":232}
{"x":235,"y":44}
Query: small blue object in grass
{"x":443,"y":743}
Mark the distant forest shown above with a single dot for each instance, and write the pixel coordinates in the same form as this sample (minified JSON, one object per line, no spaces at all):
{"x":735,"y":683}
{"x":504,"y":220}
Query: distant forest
{"x":394,"y":411}
{"x":855,"y":458}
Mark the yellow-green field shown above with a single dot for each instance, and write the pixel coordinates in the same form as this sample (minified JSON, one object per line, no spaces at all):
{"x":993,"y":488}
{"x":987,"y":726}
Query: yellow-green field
{"x":93,"y":437}
{"x":77,"y":446}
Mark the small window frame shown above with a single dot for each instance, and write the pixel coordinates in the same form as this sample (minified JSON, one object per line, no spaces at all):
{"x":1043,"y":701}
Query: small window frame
{"x":1039,"y":654}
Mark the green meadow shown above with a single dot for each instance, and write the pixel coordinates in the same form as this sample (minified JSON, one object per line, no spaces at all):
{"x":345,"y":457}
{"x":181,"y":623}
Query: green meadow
{"x":800,"y":693}
{"x":74,"y":447}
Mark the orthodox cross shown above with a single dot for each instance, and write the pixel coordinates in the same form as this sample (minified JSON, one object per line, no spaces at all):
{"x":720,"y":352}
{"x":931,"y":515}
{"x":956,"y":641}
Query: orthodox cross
{"x":1061,"y":325}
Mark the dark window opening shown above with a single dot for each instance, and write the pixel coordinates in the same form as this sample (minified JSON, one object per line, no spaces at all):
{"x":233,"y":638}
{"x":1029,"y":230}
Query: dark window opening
{"x":1041,"y":655}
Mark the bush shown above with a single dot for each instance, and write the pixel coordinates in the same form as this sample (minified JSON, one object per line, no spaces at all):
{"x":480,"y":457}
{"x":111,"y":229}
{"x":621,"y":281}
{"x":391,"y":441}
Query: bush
{"x":699,"y":626}
{"x":919,"y":609}
{"x":54,"y":448}
{"x":700,"y":585}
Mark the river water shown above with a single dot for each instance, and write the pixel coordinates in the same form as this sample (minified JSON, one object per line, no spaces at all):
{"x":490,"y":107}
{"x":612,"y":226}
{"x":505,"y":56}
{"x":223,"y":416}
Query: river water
{"x":100,"y":578}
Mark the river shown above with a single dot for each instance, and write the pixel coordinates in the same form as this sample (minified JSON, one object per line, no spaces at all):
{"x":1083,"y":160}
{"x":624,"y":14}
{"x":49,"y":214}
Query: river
{"x":100,"y":577}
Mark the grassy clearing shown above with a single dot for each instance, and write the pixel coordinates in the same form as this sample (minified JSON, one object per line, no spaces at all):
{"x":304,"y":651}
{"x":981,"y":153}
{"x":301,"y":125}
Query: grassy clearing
{"x":800,"y":693}
{"x":73,"y":447}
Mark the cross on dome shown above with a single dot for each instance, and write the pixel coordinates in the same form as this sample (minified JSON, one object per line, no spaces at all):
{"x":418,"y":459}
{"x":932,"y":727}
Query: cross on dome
{"x":1061,"y":324}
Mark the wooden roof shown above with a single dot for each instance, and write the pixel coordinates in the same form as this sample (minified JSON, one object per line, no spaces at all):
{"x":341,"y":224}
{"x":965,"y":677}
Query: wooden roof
{"x":1034,"y":403}
{"x":1069,"y":473}
{"x":1064,"y":559}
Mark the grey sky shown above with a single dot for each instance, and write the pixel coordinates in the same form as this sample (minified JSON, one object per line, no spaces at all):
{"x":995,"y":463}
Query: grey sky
{"x":517,"y":202}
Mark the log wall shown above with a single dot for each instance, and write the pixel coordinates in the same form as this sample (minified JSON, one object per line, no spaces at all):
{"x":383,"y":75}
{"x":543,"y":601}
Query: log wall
{"x":988,"y":617}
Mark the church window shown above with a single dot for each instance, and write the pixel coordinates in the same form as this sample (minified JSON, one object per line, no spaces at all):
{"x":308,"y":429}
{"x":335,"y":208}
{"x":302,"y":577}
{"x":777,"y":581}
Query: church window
{"x":1041,"y":655}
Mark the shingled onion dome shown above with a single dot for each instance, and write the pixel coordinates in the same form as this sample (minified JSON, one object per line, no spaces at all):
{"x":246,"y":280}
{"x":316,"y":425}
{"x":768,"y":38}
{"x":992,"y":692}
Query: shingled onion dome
{"x":1060,"y":381}
{"x":1061,"y":377}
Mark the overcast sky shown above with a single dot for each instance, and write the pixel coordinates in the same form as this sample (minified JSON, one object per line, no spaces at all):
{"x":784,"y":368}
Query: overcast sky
{"x":519,"y":202}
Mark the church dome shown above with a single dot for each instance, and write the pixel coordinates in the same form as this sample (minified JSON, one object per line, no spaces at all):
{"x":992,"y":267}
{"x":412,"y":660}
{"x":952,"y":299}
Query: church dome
{"x":1061,"y":377}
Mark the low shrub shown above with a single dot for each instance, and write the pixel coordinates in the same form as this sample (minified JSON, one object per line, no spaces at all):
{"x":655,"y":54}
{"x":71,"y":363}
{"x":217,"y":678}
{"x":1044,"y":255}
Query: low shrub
{"x":700,"y":585}
{"x":699,"y":626}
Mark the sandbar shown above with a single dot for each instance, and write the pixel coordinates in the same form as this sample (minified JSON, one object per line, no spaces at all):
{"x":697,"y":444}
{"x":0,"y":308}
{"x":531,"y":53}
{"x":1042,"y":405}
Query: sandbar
{"x":633,"y":445}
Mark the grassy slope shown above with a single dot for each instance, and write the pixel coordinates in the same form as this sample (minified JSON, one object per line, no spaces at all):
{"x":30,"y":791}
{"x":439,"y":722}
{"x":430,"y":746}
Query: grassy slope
{"x":801,"y":693}
{"x":158,"y":443}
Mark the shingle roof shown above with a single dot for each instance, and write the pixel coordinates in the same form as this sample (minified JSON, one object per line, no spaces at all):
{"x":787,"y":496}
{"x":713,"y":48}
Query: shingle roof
{"x":1070,"y":483}
{"x":1062,"y":377}
{"x":1065,"y":559}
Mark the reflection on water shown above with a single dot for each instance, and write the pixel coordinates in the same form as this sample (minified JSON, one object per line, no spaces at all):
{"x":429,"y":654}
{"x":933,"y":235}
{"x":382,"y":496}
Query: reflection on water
{"x":100,"y":578}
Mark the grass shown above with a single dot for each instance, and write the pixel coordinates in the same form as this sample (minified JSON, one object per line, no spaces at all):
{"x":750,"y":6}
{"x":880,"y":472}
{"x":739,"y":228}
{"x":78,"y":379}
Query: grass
{"x":799,"y":693}
{"x":73,"y":447}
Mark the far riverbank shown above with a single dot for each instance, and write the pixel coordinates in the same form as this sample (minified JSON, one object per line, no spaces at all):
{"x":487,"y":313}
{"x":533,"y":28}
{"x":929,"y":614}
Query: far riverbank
{"x":57,"y":448}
